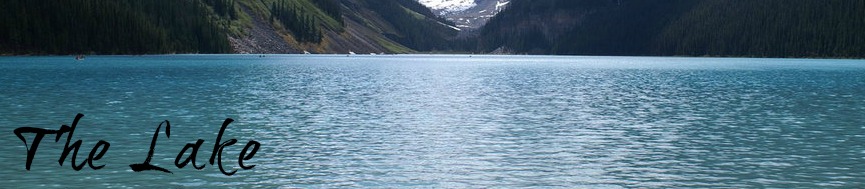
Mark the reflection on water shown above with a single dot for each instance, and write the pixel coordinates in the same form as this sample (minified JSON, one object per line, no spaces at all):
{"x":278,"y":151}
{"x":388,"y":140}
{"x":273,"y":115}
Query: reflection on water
{"x":447,"y":121}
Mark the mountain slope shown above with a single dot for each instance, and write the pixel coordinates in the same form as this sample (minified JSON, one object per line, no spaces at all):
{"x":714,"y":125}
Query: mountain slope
{"x":219,"y":26}
{"x":110,"y":27}
{"x":766,"y":28}
{"x":466,"y":14}
{"x":331,"y":26}
{"x":532,"y":26}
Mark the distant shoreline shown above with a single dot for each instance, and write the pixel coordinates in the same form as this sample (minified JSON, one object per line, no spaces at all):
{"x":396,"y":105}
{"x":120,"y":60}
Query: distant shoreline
{"x":433,"y":53}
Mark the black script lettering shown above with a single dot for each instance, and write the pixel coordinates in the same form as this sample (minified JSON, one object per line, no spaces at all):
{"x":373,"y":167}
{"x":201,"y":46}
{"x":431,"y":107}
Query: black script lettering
{"x":101,"y":148}
{"x":243,"y":156}
{"x":219,"y":160}
{"x":191,"y":155}
{"x":217,"y":147}
{"x":31,"y":150}
{"x":146,"y":165}
{"x":40,"y":133}
{"x":92,"y":158}
{"x":74,"y":146}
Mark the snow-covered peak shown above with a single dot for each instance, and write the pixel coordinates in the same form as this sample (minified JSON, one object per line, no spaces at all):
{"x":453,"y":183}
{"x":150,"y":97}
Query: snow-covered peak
{"x":448,"y":6}
{"x":466,"y":13}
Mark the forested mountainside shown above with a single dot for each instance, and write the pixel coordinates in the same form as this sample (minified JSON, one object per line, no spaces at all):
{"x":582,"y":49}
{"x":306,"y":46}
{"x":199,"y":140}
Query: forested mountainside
{"x":219,"y":26}
{"x":111,"y":27}
{"x":763,"y":28}
{"x":340,"y":26}
{"x":754,"y":28}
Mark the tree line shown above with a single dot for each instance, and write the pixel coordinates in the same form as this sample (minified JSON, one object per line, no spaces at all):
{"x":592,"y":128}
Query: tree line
{"x":422,"y":31}
{"x":764,"y":28}
{"x":109,"y":27}
{"x":304,"y":26}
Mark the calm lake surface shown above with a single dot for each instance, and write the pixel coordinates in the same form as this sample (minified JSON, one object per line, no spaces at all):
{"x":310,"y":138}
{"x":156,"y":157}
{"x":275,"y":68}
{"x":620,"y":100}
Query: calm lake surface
{"x":436,"y":121}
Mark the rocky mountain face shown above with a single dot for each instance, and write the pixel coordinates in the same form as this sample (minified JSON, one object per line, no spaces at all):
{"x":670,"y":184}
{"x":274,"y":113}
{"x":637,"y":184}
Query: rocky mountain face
{"x":340,"y":26}
{"x":466,"y":14}
{"x":766,"y":28}
{"x":220,"y":26}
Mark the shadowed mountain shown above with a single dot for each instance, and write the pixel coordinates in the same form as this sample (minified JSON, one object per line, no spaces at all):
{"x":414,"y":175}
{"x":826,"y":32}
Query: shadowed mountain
{"x":766,"y":28}
{"x":220,"y":26}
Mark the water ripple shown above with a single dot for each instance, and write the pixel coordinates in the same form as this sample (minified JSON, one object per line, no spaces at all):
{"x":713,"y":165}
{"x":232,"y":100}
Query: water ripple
{"x":453,"y":122}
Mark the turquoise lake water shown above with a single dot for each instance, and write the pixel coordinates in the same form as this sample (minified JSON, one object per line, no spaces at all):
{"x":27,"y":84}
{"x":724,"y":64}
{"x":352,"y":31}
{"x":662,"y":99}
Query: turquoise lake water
{"x":440,"y":121}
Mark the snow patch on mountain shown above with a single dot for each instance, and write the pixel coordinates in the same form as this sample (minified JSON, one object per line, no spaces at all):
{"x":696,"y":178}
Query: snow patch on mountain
{"x":501,"y":5}
{"x":466,"y":14}
{"x":448,"y":6}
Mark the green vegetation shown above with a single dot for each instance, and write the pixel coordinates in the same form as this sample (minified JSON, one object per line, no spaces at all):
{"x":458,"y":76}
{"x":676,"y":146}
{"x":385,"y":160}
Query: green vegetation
{"x":305,"y":27}
{"x":204,"y":26}
{"x":764,"y":28}
{"x":767,"y":28}
{"x":394,"y":48}
{"x":224,"y":8}
{"x":112,"y":27}
{"x":424,"y":33}
{"x":415,"y":7}
{"x":331,"y":8}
